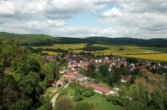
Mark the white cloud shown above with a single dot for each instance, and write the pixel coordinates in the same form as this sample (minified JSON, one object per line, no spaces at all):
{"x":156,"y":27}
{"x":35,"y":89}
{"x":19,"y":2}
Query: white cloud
{"x":137,"y":18}
{"x":49,"y":9}
{"x":33,"y":26}
{"x":141,"y":6}
{"x":48,"y":23}
{"x":114,"y":12}
{"x":144,"y":21}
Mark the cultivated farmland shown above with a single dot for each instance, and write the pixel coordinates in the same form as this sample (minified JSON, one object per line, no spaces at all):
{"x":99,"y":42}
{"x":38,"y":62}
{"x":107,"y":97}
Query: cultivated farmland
{"x":152,"y":53}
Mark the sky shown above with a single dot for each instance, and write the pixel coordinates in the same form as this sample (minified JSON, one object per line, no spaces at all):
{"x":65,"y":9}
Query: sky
{"x":83,"y":18}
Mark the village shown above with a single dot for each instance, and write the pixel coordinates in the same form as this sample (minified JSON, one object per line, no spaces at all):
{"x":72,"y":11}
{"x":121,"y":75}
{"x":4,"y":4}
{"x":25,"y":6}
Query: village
{"x":77,"y":63}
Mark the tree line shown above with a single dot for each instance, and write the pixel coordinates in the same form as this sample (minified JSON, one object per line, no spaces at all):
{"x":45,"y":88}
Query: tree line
{"x":147,"y":93}
{"x":40,"y":40}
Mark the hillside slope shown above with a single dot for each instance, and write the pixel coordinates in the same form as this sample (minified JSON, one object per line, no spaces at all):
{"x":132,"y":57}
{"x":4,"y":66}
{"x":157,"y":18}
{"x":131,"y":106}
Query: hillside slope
{"x":40,"y":39}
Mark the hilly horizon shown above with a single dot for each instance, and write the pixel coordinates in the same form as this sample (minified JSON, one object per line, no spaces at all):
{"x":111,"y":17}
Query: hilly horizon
{"x":41,"y":39}
{"x":46,"y":35}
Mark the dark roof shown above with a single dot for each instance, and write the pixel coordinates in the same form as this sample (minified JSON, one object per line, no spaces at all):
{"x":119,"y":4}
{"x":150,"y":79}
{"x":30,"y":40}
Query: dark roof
{"x":78,"y":75}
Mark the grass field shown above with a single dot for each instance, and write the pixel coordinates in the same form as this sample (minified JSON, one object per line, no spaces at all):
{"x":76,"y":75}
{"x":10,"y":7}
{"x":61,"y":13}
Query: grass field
{"x":101,"y":103}
{"x":70,"y":91}
{"x":50,"y":91}
{"x":152,"y":53}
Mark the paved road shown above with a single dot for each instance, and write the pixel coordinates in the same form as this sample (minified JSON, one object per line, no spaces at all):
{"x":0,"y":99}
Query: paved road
{"x":53,"y":100}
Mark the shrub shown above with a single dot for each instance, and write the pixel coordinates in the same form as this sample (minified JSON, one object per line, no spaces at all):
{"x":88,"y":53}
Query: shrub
{"x":83,"y":106}
{"x":64,"y":103}
{"x":78,"y":97}
{"x":86,"y":94}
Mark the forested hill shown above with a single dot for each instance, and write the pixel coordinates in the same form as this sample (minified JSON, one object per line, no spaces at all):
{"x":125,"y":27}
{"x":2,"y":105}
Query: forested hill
{"x":40,"y":39}
{"x":158,"y":42}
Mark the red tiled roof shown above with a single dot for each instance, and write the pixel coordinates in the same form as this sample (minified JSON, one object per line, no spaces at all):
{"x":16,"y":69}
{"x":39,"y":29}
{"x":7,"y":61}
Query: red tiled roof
{"x":75,"y":72}
{"x":85,"y":66}
{"x":120,"y":63}
{"x":66,"y":57}
{"x":69,"y":76}
{"x":126,"y":78}
{"x":107,"y":61}
{"x":142,"y":67}
{"x":91,"y":60}
{"x":69,"y":73}
{"x":99,"y":88}
{"x":59,"y":81}
{"x":49,"y":57}
{"x":57,"y":63}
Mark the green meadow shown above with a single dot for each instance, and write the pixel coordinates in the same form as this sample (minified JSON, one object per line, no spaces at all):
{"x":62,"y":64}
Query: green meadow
{"x":101,"y":103}
{"x":98,"y":100}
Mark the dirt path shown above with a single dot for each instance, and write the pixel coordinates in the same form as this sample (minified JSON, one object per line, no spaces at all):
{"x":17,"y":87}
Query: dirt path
{"x":53,"y":100}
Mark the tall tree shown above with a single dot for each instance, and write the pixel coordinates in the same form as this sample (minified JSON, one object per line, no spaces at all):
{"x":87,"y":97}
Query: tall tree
{"x":64,"y":103}
{"x":103,"y":69}
{"x":91,"y":69}
{"x":157,"y":102}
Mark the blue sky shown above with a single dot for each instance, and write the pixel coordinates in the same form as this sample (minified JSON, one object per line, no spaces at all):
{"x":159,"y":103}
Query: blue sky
{"x":76,"y":18}
{"x":88,"y":18}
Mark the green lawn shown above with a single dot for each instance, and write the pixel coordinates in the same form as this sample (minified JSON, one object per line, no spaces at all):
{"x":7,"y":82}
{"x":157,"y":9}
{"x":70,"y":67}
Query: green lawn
{"x":99,"y":100}
{"x":50,"y":91}
{"x":70,"y":91}
{"x":101,"y":103}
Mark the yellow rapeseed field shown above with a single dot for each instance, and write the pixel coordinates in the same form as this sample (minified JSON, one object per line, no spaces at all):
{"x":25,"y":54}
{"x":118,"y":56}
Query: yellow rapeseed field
{"x":162,"y":57}
{"x":128,"y":51}
{"x":50,"y":53}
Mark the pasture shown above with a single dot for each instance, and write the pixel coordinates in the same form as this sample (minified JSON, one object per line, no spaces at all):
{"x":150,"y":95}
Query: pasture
{"x":101,"y":103}
{"x":152,"y":53}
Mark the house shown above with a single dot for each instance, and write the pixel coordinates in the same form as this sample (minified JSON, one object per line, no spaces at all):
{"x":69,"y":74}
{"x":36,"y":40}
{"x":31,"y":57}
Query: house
{"x":132,"y":66}
{"x":60,"y":82}
{"x":165,"y":66}
{"x":92,"y":60}
{"x":125,"y":78}
{"x":142,"y":67}
{"x":110,"y":68}
{"x":75,"y":76}
{"x":61,"y":72}
{"x":66,"y":58}
{"x":100,"y":61}
{"x":51,"y":83}
{"x":106,"y":58}
{"x":108,"y":62}
{"x":100,"y":89}
{"x":144,"y":62}
{"x":96,"y":61}
{"x":49,"y":57}
{"x":121,"y":63}
{"x":85,"y":66}
{"x":80,"y":77}
{"x":64,"y":71}
{"x":69,"y":76}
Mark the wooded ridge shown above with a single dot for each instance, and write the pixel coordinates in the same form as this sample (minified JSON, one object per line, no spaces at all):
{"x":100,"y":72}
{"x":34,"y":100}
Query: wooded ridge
{"x":41,"y":39}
